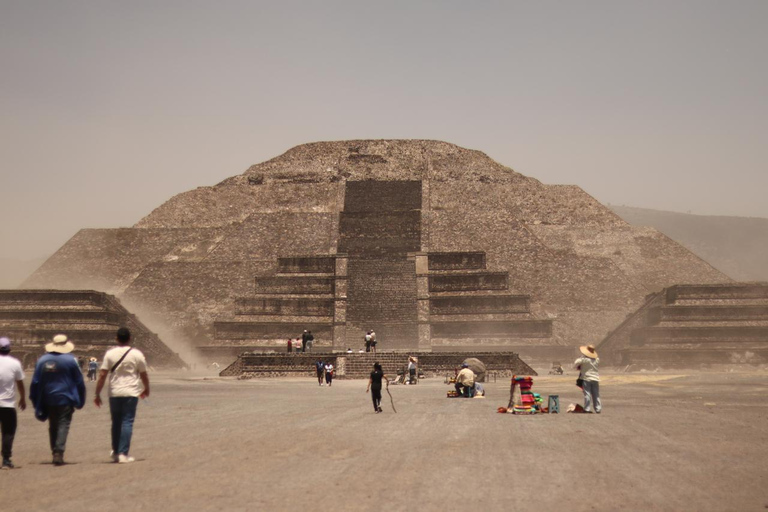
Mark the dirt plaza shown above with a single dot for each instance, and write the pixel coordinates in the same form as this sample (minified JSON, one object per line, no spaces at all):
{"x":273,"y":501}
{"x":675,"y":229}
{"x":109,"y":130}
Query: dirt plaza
{"x":685,"y":441}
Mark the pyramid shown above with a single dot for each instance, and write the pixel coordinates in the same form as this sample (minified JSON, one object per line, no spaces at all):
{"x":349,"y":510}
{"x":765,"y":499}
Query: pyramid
{"x":434,"y":246}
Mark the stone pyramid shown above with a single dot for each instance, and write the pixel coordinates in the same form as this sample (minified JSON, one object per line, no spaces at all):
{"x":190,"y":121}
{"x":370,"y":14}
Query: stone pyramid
{"x":435,"y":246}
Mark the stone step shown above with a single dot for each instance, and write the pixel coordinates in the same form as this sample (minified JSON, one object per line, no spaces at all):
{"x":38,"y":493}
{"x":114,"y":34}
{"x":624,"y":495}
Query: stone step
{"x":492,"y":329}
{"x":685,"y":357}
{"x":306,"y":264}
{"x":256,"y":331}
{"x":295,"y":285}
{"x":717,"y":291}
{"x":437,"y":261}
{"x":706,"y":335}
{"x":483,"y":304}
{"x":709,"y":313}
{"x":76,"y":316}
{"x":284,"y":306}
{"x":469,"y":282}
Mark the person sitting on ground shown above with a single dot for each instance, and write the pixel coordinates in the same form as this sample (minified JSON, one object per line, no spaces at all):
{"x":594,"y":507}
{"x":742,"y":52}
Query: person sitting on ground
{"x":465,"y":381}
{"x":588,"y":374}
{"x":349,"y":350}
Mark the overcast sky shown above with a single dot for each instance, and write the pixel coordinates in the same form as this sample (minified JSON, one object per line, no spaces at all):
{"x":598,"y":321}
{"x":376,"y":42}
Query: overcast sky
{"x":110,"y":108}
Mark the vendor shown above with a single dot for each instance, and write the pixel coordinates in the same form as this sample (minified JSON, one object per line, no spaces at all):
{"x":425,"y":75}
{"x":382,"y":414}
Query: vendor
{"x":465,"y":381}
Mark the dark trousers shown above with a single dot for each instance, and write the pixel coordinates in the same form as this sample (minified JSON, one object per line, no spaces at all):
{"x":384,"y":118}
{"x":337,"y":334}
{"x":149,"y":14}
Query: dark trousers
{"x":376,"y":397}
{"x":329,"y":378}
{"x":123,"y":412}
{"x":412,"y":375}
{"x":465,"y":391}
{"x":8,"y":429}
{"x":59,"y":420}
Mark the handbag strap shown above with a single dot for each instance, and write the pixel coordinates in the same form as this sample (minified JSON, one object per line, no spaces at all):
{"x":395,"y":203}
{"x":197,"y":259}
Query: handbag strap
{"x":112,"y":370}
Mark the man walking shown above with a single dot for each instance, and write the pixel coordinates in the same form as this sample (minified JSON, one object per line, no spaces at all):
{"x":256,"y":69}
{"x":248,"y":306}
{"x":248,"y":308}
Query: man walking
{"x":11,"y":379}
{"x":128,"y":381}
{"x":319,"y":368}
{"x":57,"y":389}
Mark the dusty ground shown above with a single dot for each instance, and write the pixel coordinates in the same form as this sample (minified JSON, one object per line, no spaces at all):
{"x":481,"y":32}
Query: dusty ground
{"x":663,"y":442}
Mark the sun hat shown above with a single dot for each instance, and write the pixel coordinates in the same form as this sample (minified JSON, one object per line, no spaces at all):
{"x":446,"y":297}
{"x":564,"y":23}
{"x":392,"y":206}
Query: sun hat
{"x":60,"y":344}
{"x":93,"y":359}
{"x":589,"y":351}
{"x":5,"y":344}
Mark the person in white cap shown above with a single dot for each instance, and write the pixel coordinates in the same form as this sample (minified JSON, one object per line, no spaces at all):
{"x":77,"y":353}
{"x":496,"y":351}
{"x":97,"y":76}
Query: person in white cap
{"x":11,"y":379}
{"x":588,"y":374}
{"x":57,"y":389}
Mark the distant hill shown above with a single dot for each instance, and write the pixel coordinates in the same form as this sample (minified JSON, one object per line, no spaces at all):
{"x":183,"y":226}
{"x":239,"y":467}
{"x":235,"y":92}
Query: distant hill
{"x":14,"y":272}
{"x":737,"y":246}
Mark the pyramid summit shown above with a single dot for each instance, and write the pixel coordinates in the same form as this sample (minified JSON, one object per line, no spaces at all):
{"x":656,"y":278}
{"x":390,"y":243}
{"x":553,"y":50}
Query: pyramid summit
{"x":435,"y":246}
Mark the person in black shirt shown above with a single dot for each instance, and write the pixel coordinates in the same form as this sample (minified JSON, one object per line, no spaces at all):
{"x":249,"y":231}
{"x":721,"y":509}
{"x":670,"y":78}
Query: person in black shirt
{"x":319,"y":367}
{"x":374,"y":385}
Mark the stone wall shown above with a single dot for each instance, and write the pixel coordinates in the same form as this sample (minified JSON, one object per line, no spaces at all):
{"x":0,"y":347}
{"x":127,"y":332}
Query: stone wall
{"x":359,"y":366}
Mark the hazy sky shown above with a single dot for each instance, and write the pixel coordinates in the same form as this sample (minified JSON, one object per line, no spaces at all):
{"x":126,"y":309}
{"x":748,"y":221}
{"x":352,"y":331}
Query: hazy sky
{"x":110,"y":108}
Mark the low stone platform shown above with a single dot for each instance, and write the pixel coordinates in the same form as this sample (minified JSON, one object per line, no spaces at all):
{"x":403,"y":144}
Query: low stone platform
{"x":692,"y":325}
{"x":31,"y":318}
{"x":359,"y":366}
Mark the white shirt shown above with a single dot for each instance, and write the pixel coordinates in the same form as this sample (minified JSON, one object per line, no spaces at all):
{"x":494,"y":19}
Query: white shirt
{"x":328,"y":368}
{"x":10,"y":372}
{"x":588,"y":368}
{"x":125,"y":380}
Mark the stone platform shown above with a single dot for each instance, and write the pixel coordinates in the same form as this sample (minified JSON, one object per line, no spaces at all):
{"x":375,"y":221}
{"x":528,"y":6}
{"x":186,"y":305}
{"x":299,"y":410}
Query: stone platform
{"x":31,"y":318}
{"x":692,"y":325}
{"x":359,"y":366}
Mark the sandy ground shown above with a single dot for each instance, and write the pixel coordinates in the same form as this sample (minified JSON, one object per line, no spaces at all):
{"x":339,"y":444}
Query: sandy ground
{"x":663,"y":442}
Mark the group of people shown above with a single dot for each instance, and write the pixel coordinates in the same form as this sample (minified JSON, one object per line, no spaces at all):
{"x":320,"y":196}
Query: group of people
{"x":324,"y":369}
{"x":58,"y":389}
{"x":303,"y":344}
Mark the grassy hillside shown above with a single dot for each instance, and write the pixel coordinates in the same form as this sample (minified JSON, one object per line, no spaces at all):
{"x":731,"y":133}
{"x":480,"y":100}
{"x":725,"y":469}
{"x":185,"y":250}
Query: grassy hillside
{"x":737,"y":246}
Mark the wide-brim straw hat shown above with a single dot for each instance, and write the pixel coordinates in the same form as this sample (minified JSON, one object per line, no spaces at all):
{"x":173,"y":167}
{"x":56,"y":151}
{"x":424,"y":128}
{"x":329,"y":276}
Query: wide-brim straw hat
{"x":93,"y":359}
{"x":60,"y":344}
{"x":589,"y":351}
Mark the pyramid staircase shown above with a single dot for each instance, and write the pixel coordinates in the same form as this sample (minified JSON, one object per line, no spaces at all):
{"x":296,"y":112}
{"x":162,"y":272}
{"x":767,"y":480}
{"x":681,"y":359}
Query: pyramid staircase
{"x":299,"y":296}
{"x":471,"y":307}
{"x":379,"y":279}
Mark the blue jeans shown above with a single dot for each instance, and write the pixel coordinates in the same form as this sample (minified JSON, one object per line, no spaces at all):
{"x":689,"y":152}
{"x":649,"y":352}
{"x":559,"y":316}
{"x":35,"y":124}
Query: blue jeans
{"x":592,"y":396}
{"x":123,"y":412}
{"x":59,"y":420}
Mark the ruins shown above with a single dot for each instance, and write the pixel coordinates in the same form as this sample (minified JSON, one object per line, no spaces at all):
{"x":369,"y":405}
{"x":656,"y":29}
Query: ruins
{"x":31,"y":318}
{"x":436,"y":247}
{"x":687,"y":325}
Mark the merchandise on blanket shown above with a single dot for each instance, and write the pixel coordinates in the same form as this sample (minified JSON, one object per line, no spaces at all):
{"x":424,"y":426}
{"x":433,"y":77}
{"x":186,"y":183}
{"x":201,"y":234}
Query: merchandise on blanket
{"x":453,"y":394}
{"x":522,"y":399}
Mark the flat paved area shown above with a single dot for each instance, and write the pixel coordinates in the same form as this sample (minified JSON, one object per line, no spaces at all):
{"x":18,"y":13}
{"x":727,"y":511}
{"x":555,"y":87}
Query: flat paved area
{"x":664,"y":442}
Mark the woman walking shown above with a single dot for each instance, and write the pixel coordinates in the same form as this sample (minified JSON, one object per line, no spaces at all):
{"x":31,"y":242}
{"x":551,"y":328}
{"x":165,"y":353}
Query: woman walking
{"x":588,"y":374}
{"x":374,"y":386}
